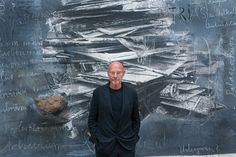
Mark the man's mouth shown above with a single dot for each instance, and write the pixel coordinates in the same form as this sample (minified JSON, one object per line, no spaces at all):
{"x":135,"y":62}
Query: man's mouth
{"x":116,"y":80}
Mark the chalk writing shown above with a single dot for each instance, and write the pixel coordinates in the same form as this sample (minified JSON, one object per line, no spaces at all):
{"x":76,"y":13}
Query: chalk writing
{"x":42,"y":88}
{"x":19,"y":53}
{"x":208,"y":1}
{"x":33,"y":128}
{"x":28,"y":74}
{"x":16,"y":108}
{"x":220,"y":15}
{"x":201,"y":149}
{"x":32,"y":43}
{"x":4,"y":77}
{"x":222,"y":12}
{"x":2,"y":9}
{"x":214,"y":24}
{"x":215,"y":1}
{"x":216,"y":13}
{"x":13,"y":93}
{"x":14,"y":65}
{"x":153,"y":143}
{"x":20,"y":146}
{"x":183,"y":13}
{"x":11,"y":43}
{"x":11,"y":76}
{"x":15,"y":43}
{"x":230,"y":81}
{"x":88,"y":152}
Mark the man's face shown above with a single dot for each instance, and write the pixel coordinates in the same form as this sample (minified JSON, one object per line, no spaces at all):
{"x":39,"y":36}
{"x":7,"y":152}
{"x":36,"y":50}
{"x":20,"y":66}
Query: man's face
{"x":116,"y":73}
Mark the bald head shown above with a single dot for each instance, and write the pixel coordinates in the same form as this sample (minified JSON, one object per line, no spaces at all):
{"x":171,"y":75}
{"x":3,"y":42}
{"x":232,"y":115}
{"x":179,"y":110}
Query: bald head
{"x":115,"y":64}
{"x":116,"y":72}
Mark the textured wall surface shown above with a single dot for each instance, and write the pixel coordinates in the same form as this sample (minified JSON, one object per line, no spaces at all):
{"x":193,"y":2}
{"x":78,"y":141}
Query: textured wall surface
{"x":179,"y":55}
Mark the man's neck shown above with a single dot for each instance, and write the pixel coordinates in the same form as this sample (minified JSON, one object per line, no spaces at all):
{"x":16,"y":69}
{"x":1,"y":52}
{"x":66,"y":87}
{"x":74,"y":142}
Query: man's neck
{"x":115,"y":87}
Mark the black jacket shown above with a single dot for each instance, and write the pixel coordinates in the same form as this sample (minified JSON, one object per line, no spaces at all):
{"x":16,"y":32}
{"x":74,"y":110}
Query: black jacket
{"x":101,"y":124}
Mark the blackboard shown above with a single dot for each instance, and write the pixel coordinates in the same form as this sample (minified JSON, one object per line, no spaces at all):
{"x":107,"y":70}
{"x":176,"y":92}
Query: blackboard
{"x":179,"y":56}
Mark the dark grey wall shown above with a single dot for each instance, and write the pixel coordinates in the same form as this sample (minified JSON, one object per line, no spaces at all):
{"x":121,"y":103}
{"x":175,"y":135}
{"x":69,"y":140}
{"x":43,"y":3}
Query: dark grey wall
{"x":179,"y":55}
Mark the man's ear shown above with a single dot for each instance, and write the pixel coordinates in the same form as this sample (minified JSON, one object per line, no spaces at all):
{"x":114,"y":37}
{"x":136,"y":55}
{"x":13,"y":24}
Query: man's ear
{"x":123,"y":72}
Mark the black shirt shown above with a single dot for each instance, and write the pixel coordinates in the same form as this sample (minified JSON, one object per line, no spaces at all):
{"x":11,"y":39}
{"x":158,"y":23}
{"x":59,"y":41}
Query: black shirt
{"x":116,"y":103}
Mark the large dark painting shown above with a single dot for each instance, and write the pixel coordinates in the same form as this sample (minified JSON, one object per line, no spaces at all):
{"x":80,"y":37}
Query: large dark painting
{"x":179,"y":55}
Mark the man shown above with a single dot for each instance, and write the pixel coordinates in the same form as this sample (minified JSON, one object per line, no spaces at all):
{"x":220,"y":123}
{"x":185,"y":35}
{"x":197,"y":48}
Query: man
{"x":114,"y":116}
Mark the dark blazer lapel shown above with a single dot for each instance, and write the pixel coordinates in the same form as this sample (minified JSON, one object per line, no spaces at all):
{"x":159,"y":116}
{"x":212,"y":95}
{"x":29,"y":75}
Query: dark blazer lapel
{"x":123,"y":103}
{"x":107,"y":98}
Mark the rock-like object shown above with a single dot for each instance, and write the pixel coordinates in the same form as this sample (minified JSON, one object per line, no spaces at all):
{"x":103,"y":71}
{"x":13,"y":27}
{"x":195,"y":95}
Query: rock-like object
{"x":51,"y":104}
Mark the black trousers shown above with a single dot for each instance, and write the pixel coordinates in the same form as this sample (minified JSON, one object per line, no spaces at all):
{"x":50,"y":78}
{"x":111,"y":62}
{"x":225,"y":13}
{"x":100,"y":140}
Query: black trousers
{"x":118,"y":151}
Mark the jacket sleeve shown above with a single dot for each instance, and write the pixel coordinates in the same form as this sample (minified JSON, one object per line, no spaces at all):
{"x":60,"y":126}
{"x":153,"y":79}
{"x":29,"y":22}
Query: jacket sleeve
{"x":92,"y":118}
{"x":135,"y":115}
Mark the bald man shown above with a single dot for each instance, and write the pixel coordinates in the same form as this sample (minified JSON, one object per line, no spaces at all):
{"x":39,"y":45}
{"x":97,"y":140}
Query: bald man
{"x":113,"y":120}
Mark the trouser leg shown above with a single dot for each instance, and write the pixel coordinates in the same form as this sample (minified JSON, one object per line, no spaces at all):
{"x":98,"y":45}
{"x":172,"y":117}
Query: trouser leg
{"x":122,"y":152}
{"x":118,"y":151}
